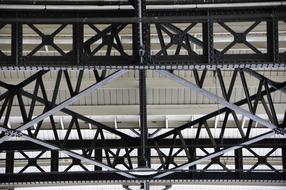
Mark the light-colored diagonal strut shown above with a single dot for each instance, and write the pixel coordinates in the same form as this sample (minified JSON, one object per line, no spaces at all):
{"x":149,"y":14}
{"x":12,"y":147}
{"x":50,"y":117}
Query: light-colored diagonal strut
{"x":71,"y":154}
{"x":216,"y":154}
{"x":60,"y":107}
{"x":67,"y":102}
{"x":226,"y":104}
{"x":217,"y":99}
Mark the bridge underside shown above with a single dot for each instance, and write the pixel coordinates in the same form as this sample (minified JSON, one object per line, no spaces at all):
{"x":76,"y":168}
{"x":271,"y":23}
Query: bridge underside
{"x":142,"y":92}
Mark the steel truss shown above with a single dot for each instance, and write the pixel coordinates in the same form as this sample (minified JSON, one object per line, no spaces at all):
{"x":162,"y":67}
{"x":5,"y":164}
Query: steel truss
{"x":164,"y":25}
{"x":171,"y":154}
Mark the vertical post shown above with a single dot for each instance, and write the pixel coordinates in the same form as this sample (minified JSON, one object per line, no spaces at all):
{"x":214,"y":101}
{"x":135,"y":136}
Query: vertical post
{"x":9,"y":162}
{"x":17,"y":41}
{"x":98,"y":157}
{"x":142,"y":46}
{"x":54,"y":161}
{"x":141,"y":35}
{"x":193,"y":158}
{"x":146,"y":53}
{"x":284,"y":158}
{"x":143,"y":157}
{"x":208,"y":50}
{"x":139,"y":50}
{"x":238,"y":162}
{"x":272,"y":39}
{"x":77,"y":43}
{"x":146,"y":185}
{"x":136,"y":34}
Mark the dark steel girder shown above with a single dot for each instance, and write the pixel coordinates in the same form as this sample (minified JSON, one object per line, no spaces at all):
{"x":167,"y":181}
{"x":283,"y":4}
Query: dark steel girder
{"x":24,"y":147}
{"x":115,"y":143}
{"x":212,"y":58}
{"x":177,"y":132}
{"x":98,"y":152}
{"x":175,"y":145}
{"x":50,"y":109}
{"x":99,"y":2}
{"x":234,"y":174}
{"x":86,"y":177}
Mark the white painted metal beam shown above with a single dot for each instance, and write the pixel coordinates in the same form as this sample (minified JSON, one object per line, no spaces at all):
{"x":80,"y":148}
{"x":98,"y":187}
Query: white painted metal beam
{"x":216,"y":154}
{"x":217,"y":99}
{"x":67,"y":102}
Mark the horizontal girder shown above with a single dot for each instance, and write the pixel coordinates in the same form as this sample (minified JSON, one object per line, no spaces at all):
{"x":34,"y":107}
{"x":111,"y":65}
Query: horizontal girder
{"x":201,"y":37}
{"x":173,"y":40}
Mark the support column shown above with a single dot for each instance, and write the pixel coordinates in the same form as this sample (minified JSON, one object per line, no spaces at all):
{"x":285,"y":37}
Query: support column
{"x":141,"y":35}
{"x":98,"y":157}
{"x":78,"y":43}
{"x":9,"y":162}
{"x":284,"y":158}
{"x":238,"y":162}
{"x":208,"y":50}
{"x":17,"y":41}
{"x":54,"y":161}
{"x":139,"y":51}
{"x":272,"y":40}
{"x":144,"y":157}
{"x":142,"y":48}
{"x":193,"y":158}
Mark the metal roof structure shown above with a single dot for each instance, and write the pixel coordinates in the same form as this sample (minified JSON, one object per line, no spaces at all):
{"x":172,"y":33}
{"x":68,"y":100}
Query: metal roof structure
{"x":142,"y":93}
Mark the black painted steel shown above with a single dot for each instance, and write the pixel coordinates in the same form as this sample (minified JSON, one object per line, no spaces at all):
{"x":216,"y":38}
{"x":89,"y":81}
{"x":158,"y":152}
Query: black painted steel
{"x":122,"y":151}
{"x":170,"y":149}
{"x":81,"y":56}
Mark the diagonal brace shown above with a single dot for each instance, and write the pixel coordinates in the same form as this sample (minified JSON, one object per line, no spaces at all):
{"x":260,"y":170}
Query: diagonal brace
{"x":67,"y":152}
{"x":261,"y":77}
{"x":217,"y":99}
{"x":67,"y":102}
{"x":81,"y":117}
{"x":218,"y":153}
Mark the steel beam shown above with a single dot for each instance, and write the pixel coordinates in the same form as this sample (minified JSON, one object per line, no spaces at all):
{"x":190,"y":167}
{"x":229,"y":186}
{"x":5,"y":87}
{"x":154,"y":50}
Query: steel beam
{"x":71,"y":154}
{"x":67,"y":102}
{"x":198,"y":88}
{"x":54,"y":161}
{"x":17,"y":41}
{"x":155,"y":2}
{"x":211,"y":115}
{"x":143,"y":154}
{"x":140,"y":17}
{"x":261,"y":77}
{"x":211,"y":57}
{"x":143,"y":157}
{"x":110,"y":177}
{"x":127,"y":16}
{"x":75,"y":96}
{"x":10,"y":162}
{"x":67,"y":111}
{"x":118,"y":143}
{"x":216,"y":98}
{"x":216,"y":154}
{"x":29,"y":146}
